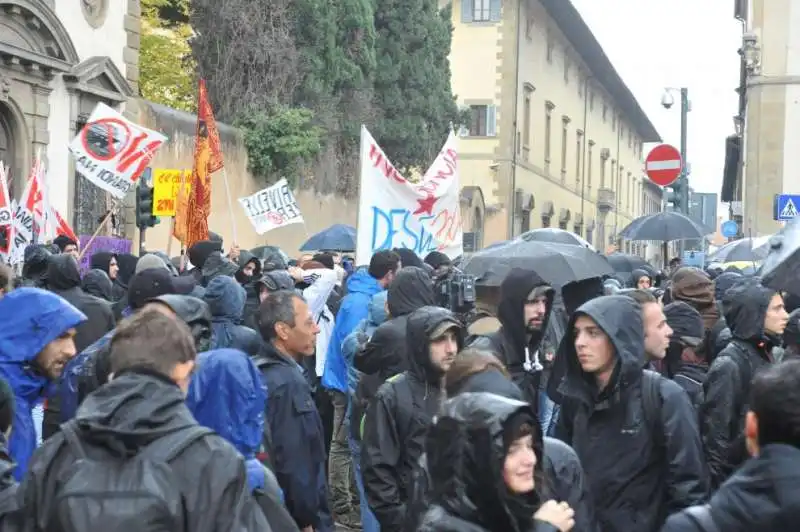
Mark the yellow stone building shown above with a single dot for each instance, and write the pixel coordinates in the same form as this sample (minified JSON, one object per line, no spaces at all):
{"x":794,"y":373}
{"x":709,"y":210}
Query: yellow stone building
{"x":556,"y":136}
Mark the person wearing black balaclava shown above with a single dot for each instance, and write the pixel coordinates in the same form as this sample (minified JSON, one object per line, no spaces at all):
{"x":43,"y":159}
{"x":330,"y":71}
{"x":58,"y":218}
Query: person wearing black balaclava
{"x":126,"y":264}
{"x":198,"y":255}
{"x":34,"y":269}
{"x":526,"y":301}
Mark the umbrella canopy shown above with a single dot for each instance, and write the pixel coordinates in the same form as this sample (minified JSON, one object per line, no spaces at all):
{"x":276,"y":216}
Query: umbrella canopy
{"x":625,"y":263}
{"x":558,"y":264}
{"x":552,"y":234}
{"x":744,"y":249}
{"x":663,"y":226}
{"x":338,"y":237}
{"x":781,"y":268}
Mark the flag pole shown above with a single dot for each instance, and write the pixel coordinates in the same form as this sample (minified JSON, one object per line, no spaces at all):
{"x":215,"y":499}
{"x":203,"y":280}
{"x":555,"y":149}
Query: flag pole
{"x":230,"y":205}
{"x":97,"y":231}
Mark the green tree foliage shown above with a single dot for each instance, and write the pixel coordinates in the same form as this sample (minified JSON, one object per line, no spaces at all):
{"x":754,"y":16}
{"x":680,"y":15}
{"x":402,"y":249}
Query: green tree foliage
{"x":165,"y":60}
{"x":412,"y":81}
{"x":278,"y":141}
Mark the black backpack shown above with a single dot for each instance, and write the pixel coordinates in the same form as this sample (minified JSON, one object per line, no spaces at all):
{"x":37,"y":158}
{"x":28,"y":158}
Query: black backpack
{"x":265,"y":452}
{"x":139,"y":493}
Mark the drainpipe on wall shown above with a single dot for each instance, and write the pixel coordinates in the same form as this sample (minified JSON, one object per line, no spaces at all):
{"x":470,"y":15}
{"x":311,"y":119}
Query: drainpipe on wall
{"x":512,"y":195}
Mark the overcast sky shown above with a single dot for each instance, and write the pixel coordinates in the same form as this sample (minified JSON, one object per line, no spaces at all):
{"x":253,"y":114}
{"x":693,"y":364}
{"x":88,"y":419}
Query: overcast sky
{"x":677,"y":43}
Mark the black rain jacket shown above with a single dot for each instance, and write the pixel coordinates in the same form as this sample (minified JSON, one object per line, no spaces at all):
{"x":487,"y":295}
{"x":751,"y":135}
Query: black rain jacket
{"x":511,"y":341}
{"x":123,"y":417}
{"x":763,"y":495}
{"x":96,"y":283}
{"x":397,"y":421}
{"x":636,"y":478}
{"x":727,"y":384}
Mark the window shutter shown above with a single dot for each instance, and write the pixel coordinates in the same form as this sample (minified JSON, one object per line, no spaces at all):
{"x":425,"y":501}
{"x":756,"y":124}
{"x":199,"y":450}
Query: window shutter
{"x":463,"y":131}
{"x":494,"y":10}
{"x":466,"y":10}
{"x":491,"y":121}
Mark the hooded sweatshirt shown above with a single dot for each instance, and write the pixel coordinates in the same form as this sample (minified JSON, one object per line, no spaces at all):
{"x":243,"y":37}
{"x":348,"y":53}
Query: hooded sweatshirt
{"x":636,"y":275}
{"x":226,"y":298}
{"x":635,"y":480}
{"x":127,"y":269}
{"x":34,"y":269}
{"x":227,"y":395}
{"x":361,"y":286}
{"x":96,"y":283}
{"x":31,"y":318}
{"x":727,"y":385}
{"x":693,"y":286}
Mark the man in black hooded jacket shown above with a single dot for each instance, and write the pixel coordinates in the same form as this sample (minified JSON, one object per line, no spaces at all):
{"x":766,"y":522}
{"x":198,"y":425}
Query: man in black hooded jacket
{"x":526,"y":302}
{"x":397,"y":419}
{"x":756,"y":317}
{"x":634,"y":431}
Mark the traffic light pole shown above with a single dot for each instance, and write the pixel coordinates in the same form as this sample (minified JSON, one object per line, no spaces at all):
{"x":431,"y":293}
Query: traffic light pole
{"x":684,"y":177}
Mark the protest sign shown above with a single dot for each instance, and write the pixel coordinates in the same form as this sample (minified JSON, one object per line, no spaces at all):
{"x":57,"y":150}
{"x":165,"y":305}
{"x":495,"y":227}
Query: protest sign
{"x":166,"y":184}
{"x":108,"y":244}
{"x":112,"y":152}
{"x":394,"y":212}
{"x":272,"y":207}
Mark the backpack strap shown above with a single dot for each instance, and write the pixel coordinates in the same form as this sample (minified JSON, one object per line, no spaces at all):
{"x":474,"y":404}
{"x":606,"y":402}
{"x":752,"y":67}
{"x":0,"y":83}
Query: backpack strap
{"x":73,"y":440}
{"x":652,"y":404}
{"x":168,"y":448}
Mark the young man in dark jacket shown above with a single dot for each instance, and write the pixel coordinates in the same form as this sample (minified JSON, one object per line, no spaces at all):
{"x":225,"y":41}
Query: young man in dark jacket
{"x":756,"y":317}
{"x":398,"y":418}
{"x":634,"y":431}
{"x":685,"y":362}
{"x":152,"y":358}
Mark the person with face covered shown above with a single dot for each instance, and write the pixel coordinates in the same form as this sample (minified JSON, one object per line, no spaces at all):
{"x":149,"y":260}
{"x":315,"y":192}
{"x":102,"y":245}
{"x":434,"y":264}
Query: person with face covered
{"x":634,"y":431}
{"x":757,"y":318}
{"x":525,"y":304}
{"x":36,"y":343}
{"x":397,"y":419}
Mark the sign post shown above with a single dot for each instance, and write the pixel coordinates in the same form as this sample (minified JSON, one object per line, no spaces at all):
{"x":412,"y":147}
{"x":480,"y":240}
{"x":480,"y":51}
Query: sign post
{"x":663,"y":165}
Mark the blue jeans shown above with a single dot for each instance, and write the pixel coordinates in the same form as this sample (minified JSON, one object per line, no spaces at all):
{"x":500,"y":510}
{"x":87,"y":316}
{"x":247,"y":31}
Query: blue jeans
{"x":368,"y":521}
{"x":548,"y":413}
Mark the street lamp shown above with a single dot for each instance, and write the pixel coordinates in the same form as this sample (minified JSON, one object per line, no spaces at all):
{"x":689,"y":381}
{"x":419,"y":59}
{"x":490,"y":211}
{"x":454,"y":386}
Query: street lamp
{"x":738,"y":125}
{"x":682,"y":186}
{"x":751,"y":52}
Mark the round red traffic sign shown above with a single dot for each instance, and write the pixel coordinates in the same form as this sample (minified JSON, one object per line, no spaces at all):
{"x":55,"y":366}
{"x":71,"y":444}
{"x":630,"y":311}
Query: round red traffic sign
{"x":663,"y":164}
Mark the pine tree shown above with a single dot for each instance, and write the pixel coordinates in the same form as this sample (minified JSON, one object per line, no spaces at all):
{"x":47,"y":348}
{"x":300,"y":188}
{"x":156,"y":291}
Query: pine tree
{"x":412,"y":80}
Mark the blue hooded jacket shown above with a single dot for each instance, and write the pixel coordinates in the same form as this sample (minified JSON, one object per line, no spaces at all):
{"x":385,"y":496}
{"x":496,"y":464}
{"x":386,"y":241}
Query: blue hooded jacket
{"x":226,"y":299}
{"x":227,"y":395}
{"x":31,"y":318}
{"x":377,"y":315}
{"x":361,"y":286}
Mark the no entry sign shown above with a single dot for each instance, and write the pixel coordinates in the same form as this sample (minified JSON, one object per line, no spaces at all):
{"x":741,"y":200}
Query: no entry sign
{"x":663,"y":164}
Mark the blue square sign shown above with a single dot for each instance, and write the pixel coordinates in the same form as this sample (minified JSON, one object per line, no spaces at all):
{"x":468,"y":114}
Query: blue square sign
{"x":786,"y":206}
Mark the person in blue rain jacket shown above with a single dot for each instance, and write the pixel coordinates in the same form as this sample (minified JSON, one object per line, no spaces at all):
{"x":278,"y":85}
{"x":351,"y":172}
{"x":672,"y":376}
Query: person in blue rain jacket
{"x":228,"y":396}
{"x":36,"y":342}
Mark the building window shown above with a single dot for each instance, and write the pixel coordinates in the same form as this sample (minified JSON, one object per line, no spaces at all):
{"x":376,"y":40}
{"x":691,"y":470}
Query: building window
{"x":483,"y":121}
{"x":621,"y":131}
{"x":590,"y":236}
{"x":603,"y":160}
{"x":566,"y":66}
{"x":526,"y":122}
{"x":614,"y":122}
{"x":562,"y":225}
{"x":605,"y":112}
{"x":630,"y":139}
{"x":545,"y":221}
{"x":591,"y":99}
{"x":550,"y":46}
{"x":529,"y":27}
{"x":548,"y":131}
{"x":481,"y":10}
{"x":613,"y":176}
{"x":577,"y":229}
{"x":581,"y":82}
{"x":589,"y":162}
{"x":564,"y":131}
{"x":630,"y":192}
{"x":578,"y":153}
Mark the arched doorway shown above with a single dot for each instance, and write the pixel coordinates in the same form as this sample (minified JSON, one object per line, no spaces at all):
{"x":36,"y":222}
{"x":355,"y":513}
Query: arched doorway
{"x":8,"y":146}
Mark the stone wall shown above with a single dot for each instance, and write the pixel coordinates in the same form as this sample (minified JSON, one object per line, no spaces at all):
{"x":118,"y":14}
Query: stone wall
{"x":319,"y":211}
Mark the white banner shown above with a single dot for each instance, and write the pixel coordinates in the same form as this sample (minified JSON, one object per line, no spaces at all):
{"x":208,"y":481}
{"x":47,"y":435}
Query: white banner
{"x":272,"y":207}
{"x":5,"y":199}
{"x":112,"y":152}
{"x":394,"y":212}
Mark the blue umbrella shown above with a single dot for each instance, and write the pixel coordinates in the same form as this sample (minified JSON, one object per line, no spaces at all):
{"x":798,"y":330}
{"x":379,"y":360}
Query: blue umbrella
{"x":338,"y":237}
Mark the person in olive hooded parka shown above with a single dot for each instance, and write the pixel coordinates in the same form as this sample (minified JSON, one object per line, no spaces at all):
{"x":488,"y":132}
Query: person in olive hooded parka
{"x":516,"y":343}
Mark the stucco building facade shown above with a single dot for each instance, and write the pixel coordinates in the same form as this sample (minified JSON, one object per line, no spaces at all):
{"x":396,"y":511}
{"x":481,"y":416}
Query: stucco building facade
{"x":556,"y":136}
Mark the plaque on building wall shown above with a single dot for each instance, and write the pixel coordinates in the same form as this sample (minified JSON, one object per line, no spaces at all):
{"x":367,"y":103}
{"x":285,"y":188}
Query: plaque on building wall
{"x":94,"y":11}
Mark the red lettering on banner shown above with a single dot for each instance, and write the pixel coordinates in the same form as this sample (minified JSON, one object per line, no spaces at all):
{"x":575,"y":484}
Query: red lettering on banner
{"x":380,"y":162}
{"x":445,"y":226}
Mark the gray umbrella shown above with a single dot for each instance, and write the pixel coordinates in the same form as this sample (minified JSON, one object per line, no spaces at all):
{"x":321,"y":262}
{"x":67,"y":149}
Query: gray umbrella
{"x":553,"y":234}
{"x":743,"y":249}
{"x":558,"y":264}
{"x":781,"y":268}
{"x":665,"y":227}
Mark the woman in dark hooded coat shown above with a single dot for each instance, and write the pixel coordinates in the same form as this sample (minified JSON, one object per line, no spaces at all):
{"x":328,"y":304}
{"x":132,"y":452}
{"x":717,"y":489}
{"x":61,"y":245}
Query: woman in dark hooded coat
{"x":127,"y":268}
{"x":96,"y":283}
{"x":482,"y":457}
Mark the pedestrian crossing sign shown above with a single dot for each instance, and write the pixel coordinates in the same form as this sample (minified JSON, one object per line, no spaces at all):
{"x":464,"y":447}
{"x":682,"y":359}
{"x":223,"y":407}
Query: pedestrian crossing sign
{"x":786,"y":207}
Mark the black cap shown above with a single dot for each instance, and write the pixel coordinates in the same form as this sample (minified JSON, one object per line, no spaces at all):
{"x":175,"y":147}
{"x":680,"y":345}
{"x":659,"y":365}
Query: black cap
{"x":151,"y":283}
{"x":685,"y":322}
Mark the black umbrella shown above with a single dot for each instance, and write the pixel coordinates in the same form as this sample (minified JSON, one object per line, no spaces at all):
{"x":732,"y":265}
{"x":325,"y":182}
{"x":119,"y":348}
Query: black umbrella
{"x":553,"y":234}
{"x":781,"y":268}
{"x":624,"y":264}
{"x":663,"y":226}
{"x":558,"y":264}
{"x":744,"y":249}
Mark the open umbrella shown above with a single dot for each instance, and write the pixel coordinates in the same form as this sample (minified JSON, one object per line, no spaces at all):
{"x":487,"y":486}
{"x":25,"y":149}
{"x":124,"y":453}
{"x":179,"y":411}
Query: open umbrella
{"x":744,"y":249}
{"x":624,"y":264}
{"x":553,"y":234}
{"x":781,"y":268}
{"x":338,"y":237}
{"x":558,"y":264}
{"x":663,"y":226}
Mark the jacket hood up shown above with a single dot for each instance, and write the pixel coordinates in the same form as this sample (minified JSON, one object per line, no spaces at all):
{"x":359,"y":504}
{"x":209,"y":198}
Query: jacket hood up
{"x":420,"y":325}
{"x":245,"y":258}
{"x":620,"y":317}
{"x":216,"y":266}
{"x":745,"y":306}
{"x":361,"y":282}
{"x":638,"y":274}
{"x":514,"y":292}
{"x":694,"y":287}
{"x":97,"y":284}
{"x":225,"y":298}
{"x":37,"y":257}
{"x":200,"y":251}
{"x":101,"y":260}
{"x":465,"y":454}
{"x":195,"y":313}
{"x":131,"y":411}
{"x":377,"y":309}
{"x":227,"y":395}
{"x":723,"y":282}
{"x":63,"y":273}
{"x":127,"y":268}
{"x":411,"y":289}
